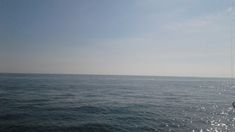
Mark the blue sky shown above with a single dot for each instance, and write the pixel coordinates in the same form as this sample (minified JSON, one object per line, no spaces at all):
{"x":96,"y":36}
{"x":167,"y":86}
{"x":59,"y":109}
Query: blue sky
{"x":133,"y":37}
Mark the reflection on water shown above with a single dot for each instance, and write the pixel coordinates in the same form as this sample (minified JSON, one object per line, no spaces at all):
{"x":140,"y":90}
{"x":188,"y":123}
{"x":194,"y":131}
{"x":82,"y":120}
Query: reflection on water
{"x":31,"y":102}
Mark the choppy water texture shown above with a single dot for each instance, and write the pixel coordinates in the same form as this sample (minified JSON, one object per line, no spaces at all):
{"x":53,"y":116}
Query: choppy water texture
{"x":92,"y":103}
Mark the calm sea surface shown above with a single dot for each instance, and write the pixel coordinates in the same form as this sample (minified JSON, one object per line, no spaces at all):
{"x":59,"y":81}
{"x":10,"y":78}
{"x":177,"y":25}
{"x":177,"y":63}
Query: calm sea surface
{"x":95,"y":103}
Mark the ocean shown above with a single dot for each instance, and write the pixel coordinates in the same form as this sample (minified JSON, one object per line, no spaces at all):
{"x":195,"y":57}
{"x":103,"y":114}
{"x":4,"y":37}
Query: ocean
{"x":109,"y":103}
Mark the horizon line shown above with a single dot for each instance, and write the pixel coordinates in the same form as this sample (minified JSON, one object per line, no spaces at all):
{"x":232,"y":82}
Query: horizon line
{"x":137,"y":75}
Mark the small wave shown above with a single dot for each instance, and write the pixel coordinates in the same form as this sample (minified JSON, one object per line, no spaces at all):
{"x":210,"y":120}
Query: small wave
{"x":89,"y":127}
{"x":90,"y":109}
{"x":96,"y":127}
{"x":16,"y":116}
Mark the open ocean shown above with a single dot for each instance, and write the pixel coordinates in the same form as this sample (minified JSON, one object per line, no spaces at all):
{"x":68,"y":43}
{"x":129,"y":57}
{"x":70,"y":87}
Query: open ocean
{"x":100,"y":103}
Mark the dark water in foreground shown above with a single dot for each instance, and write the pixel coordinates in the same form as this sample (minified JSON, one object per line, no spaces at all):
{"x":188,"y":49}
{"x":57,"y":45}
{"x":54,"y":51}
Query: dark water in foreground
{"x":90,"y":103}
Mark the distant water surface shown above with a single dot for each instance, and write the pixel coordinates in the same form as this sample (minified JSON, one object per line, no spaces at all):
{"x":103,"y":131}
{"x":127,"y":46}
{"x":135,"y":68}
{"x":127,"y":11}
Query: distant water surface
{"x":99,"y":103}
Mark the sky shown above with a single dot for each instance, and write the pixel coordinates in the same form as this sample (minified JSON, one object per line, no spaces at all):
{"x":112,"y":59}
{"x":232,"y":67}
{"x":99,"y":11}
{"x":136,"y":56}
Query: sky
{"x":118,"y":37}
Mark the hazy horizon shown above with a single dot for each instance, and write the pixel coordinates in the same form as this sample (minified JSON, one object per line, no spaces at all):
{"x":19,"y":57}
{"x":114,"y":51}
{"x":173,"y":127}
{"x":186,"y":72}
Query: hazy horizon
{"x":125,"y":37}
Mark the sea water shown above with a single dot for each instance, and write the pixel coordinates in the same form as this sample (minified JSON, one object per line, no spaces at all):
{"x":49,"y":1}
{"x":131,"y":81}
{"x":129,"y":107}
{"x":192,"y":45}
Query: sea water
{"x":100,"y":103}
